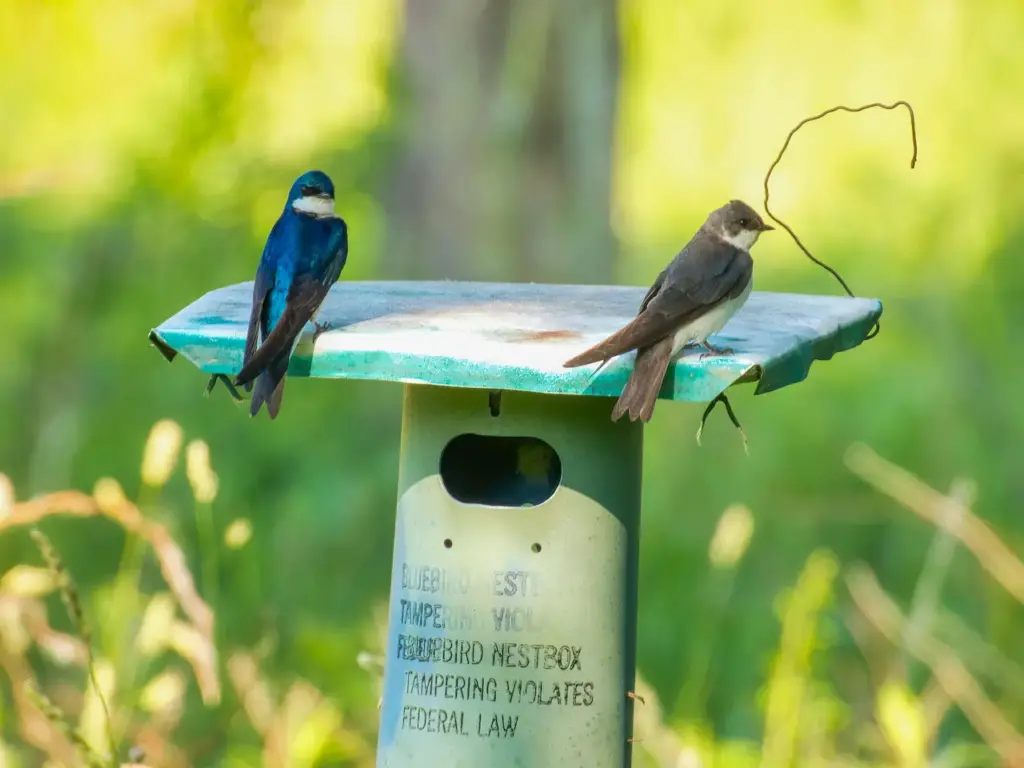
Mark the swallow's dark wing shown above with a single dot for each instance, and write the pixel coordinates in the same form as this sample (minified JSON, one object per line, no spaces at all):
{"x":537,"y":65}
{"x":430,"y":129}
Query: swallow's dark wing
{"x":337,"y":249}
{"x":304,"y":298}
{"x":261,"y":288}
{"x":653,"y":290}
{"x":693,"y":284}
{"x":264,"y":282}
{"x":651,"y":293}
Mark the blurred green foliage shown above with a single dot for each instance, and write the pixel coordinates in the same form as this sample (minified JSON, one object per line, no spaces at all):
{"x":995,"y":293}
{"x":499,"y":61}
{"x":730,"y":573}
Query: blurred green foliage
{"x":147,"y":148}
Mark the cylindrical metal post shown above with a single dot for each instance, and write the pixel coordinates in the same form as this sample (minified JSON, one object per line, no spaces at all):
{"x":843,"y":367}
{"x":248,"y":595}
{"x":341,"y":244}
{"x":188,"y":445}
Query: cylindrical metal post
{"x":512,"y":627}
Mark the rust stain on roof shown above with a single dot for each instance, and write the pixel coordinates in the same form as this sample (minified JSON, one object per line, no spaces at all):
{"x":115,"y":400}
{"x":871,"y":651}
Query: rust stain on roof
{"x":544,"y":335}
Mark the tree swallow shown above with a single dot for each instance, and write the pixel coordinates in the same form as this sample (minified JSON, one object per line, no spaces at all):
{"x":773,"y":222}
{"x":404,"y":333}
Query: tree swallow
{"x":691,"y":299}
{"x":303,"y":258}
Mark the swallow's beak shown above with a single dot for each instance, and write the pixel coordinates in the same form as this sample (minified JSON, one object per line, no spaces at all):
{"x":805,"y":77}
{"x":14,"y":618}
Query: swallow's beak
{"x":325,"y":196}
{"x":765,"y":227}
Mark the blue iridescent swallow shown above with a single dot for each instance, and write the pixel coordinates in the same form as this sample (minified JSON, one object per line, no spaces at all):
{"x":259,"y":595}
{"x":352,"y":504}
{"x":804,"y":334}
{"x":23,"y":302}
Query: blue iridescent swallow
{"x":303,"y":258}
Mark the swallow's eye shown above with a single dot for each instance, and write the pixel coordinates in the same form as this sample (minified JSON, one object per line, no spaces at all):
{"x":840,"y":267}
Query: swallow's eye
{"x":309,"y":191}
{"x":744,"y":223}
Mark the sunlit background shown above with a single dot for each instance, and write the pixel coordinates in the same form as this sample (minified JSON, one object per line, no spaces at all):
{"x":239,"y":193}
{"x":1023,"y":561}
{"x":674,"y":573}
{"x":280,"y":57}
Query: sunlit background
{"x":800,"y":607}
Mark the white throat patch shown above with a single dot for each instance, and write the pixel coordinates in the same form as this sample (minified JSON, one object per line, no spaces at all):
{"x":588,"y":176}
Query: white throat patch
{"x":744,"y":239}
{"x":320,"y":207}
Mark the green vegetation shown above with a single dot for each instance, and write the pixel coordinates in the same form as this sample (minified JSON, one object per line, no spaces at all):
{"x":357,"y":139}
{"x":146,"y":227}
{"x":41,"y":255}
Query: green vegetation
{"x":235,"y":611}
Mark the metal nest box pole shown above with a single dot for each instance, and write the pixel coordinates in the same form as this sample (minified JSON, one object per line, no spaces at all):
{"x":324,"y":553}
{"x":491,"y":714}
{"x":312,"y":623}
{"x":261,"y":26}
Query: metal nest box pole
{"x":512,"y":619}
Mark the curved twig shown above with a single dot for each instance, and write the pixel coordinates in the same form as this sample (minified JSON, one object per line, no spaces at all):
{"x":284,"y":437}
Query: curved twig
{"x":785,"y":146}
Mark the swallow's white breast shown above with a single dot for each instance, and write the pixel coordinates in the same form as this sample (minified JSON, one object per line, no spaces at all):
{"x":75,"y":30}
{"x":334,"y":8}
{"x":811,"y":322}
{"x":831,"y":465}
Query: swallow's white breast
{"x":710,"y":322}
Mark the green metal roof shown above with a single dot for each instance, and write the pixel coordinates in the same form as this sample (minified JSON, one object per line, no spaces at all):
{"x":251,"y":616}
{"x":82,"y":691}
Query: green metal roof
{"x":516,"y":336}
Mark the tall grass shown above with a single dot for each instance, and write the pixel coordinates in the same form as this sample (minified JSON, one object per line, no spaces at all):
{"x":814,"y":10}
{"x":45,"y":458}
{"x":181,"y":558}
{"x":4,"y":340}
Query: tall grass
{"x":87,"y":698}
{"x":804,"y":722}
{"x":74,"y":705}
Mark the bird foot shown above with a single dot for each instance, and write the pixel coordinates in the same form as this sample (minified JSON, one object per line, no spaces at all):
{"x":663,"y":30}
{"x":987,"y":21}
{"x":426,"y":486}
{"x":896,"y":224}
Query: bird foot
{"x":320,"y":328}
{"x":715,"y":351}
{"x":228,"y":384}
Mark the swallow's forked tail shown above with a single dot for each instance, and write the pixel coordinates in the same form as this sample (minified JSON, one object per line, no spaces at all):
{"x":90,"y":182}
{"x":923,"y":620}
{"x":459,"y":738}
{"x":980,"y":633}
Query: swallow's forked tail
{"x":269,"y":365}
{"x":641,"y":392}
{"x":269,"y":387}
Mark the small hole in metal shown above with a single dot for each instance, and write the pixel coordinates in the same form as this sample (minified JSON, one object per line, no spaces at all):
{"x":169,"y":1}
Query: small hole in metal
{"x":535,"y":547}
{"x":447,"y":543}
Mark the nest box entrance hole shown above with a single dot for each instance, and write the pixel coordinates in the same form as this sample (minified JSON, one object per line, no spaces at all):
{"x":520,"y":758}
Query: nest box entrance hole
{"x":499,"y":471}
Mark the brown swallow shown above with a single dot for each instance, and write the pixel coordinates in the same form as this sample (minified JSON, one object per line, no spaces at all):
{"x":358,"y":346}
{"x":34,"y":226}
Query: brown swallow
{"x":692,"y":299}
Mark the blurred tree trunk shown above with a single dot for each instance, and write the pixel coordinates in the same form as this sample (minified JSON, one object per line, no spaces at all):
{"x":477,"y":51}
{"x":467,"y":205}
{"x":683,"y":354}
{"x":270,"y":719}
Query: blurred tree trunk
{"x":506,"y":124}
